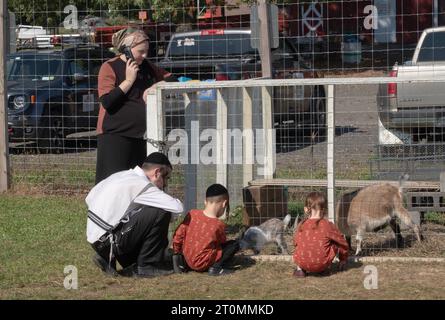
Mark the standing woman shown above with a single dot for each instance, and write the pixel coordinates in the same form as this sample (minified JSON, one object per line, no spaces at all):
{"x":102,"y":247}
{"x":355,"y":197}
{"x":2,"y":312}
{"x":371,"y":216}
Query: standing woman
{"x":122,"y":116}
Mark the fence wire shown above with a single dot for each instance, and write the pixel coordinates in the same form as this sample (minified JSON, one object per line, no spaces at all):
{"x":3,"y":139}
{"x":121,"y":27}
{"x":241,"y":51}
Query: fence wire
{"x":56,"y":50}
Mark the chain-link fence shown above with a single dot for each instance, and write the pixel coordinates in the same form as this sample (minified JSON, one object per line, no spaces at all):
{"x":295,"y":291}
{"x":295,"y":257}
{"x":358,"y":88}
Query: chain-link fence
{"x":382,"y":130}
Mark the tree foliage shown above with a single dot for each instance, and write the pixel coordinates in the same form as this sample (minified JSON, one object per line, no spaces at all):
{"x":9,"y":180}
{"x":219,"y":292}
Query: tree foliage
{"x":50,"y":12}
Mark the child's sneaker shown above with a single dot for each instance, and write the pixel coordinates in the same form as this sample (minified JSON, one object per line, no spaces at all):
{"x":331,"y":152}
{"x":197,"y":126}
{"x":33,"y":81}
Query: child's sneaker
{"x":215,"y":271}
{"x":298,"y":273}
{"x":179,"y":264}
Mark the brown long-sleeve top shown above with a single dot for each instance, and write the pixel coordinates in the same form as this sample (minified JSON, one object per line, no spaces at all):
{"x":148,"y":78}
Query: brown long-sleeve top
{"x":124,"y":114}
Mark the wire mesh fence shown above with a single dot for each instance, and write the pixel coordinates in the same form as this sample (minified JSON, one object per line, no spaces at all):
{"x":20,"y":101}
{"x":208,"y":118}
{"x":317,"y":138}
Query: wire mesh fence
{"x":301,"y":162}
{"x":57,"y":49}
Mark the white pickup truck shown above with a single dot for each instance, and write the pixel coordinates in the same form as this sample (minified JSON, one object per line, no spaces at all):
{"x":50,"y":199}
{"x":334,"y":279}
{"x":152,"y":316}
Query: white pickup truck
{"x":411,"y":113}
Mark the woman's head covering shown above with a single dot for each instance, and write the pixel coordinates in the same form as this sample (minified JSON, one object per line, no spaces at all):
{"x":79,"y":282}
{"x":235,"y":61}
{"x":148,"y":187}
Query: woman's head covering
{"x":128,"y":37}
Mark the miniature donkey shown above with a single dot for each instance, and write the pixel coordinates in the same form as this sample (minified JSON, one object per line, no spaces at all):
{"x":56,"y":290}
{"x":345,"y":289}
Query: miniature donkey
{"x":371,"y":209}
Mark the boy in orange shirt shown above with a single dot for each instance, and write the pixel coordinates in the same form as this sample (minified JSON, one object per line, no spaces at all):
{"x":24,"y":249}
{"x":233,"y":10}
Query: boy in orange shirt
{"x":201,"y":237}
{"x":317,"y":241}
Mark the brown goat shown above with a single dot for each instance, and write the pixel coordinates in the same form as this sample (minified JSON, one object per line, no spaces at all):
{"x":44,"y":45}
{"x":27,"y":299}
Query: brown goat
{"x":371,"y":209}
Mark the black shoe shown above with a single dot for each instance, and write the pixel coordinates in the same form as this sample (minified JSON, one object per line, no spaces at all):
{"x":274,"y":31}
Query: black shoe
{"x":179,"y":265}
{"x":168,"y":256}
{"x":108,"y":268}
{"x":152,"y":271}
{"x":216,"y":271}
{"x":130,"y":271}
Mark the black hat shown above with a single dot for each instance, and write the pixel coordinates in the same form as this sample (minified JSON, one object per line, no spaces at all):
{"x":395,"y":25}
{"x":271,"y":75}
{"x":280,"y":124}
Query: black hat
{"x":216,"y":190}
{"x":158,"y":158}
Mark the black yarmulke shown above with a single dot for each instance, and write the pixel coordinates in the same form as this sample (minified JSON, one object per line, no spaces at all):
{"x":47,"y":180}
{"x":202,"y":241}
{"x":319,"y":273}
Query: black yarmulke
{"x":158,"y":158}
{"x":216,"y":190}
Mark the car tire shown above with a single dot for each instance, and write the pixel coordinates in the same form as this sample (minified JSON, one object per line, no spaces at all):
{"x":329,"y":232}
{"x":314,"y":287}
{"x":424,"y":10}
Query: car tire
{"x":51,"y":134}
{"x":317,"y":116}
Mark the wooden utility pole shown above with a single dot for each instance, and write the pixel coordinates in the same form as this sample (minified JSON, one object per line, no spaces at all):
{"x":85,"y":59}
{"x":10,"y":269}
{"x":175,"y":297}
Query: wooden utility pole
{"x":263,"y":14}
{"x":435,"y":13}
{"x":4,"y":149}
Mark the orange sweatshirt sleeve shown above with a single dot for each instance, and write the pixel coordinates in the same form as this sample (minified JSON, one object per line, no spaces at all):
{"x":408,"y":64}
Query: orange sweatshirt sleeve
{"x":336,"y":236}
{"x":180,"y":233}
{"x":295,"y":238}
{"x":300,"y":225}
{"x":221,"y":234}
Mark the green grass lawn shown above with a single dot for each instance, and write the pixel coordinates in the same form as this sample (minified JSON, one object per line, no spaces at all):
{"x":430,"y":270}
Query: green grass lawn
{"x":40,"y":235}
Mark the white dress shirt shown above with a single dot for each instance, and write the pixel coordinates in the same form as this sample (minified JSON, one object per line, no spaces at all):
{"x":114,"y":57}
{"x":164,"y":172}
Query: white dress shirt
{"x":110,"y":198}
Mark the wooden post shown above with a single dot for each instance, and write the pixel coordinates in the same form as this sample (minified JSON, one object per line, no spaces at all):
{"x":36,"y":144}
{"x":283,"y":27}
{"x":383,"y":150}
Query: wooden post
{"x":221,"y":141}
{"x":191,"y":166}
{"x":248,"y":148}
{"x":442,"y":181}
{"x":4,"y":147}
{"x":268,"y":139}
{"x":155,"y":121}
{"x":435,"y":13}
{"x":330,"y":153}
{"x":266,"y":65}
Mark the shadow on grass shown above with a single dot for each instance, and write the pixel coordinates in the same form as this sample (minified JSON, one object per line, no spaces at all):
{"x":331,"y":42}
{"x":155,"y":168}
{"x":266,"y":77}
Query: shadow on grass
{"x":241,"y":263}
{"x":334,"y":269}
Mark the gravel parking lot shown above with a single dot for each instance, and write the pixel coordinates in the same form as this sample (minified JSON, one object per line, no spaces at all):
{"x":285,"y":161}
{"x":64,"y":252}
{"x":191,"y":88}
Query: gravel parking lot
{"x":356,"y":136}
{"x":355,"y":151}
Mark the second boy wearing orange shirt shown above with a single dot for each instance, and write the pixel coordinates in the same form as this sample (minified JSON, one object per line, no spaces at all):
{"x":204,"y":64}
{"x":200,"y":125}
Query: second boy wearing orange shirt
{"x":201,"y":237}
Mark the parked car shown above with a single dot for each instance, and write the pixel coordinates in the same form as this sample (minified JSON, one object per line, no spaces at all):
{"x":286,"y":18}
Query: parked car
{"x":53,"y":93}
{"x":32,"y":37}
{"x":227,"y":54}
{"x":415,"y":112}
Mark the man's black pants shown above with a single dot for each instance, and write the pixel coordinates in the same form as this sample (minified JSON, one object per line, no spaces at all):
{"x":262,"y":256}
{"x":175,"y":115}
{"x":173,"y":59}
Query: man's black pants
{"x":142,"y":240}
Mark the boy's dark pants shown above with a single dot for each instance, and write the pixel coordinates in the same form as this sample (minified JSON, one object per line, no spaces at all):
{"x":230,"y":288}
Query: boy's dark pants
{"x":229,"y":248}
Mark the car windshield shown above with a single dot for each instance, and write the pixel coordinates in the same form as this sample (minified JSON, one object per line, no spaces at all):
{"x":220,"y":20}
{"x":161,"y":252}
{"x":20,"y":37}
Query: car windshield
{"x":33,"y":68}
{"x":215,"y":45}
{"x":433,"y":48}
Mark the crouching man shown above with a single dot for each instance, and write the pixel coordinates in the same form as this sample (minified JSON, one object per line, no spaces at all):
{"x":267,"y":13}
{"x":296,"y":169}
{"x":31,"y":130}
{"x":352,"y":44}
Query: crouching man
{"x":128,"y":219}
